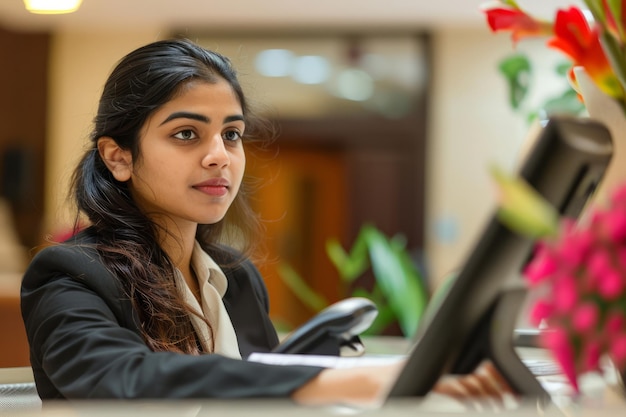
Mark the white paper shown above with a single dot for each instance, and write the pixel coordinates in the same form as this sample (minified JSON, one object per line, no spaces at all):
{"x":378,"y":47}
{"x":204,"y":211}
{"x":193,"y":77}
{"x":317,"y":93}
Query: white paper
{"x":326,"y":361}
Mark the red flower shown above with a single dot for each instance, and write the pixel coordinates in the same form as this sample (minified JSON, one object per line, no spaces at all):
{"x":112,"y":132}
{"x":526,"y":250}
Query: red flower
{"x":581,"y":42}
{"x":515,"y":20}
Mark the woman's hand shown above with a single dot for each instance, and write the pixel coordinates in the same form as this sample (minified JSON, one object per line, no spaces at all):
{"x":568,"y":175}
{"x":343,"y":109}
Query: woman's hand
{"x":367,"y":386}
{"x":484,"y":385}
{"x":363,"y":386}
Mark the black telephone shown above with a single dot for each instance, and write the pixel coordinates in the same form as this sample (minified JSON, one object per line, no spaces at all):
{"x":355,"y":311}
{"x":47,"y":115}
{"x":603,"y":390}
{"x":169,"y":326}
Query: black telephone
{"x":332,"y":330}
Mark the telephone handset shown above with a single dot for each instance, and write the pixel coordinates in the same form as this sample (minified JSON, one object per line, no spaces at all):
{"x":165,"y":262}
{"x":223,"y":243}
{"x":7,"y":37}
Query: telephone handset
{"x":333,"y":330}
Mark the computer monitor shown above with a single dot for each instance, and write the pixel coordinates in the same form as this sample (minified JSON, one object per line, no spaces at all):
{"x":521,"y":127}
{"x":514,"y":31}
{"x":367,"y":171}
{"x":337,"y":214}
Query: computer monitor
{"x":476,"y":317}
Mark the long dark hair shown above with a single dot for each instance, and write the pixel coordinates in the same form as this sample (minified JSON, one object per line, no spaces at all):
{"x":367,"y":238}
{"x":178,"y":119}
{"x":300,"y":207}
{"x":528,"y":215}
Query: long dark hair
{"x":142,"y":81}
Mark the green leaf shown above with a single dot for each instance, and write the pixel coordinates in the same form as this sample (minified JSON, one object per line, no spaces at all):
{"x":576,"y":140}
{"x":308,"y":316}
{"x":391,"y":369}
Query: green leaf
{"x":615,"y":6}
{"x":350,"y":266}
{"x":306,"y":294}
{"x":516,"y":70}
{"x":511,"y":3}
{"x":562,"y":68}
{"x":522,"y":208}
{"x":597,"y":10}
{"x":532,"y":116}
{"x":566,"y":103}
{"x":399,"y":282}
{"x":281,"y":325}
{"x":361,"y":292}
{"x":385,"y":317}
{"x":615,"y":55}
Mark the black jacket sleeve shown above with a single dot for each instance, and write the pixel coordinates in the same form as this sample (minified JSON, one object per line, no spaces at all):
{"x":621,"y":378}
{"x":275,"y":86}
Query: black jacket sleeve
{"x":85,"y":343}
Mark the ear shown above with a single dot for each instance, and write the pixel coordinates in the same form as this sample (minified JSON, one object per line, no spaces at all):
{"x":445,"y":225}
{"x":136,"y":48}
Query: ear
{"x":118,"y":160}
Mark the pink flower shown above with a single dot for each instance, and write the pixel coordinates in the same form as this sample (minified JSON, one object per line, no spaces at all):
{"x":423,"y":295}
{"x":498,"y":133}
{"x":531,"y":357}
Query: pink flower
{"x":618,"y":350}
{"x":599,"y":264}
{"x":585,"y":317}
{"x":558,"y":342}
{"x":615,"y":322}
{"x":574,"y":250}
{"x":615,"y":225}
{"x":540,"y":311}
{"x":582,"y":278}
{"x":618,"y":198}
{"x":541,"y":267}
{"x":565,"y":293}
{"x":591,"y":355}
{"x":621,"y":257}
{"x":611,"y":285}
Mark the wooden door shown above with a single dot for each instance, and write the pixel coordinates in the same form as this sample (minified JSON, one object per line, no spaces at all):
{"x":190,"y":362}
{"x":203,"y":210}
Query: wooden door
{"x":302,"y":202}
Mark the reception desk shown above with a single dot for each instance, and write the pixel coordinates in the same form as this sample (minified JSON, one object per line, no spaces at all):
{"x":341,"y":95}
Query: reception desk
{"x":609,"y":405}
{"x":602,"y":396}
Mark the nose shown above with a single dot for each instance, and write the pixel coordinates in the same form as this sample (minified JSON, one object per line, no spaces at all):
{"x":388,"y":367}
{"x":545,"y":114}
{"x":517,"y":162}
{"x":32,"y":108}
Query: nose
{"x":215,"y":154}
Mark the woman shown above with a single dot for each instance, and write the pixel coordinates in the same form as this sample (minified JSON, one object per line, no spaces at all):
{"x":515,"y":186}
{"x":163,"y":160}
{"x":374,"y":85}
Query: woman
{"x":151,"y":301}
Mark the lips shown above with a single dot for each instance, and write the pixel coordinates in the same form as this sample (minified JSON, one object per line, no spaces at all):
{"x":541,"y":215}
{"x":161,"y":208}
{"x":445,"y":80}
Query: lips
{"x":214,"y":187}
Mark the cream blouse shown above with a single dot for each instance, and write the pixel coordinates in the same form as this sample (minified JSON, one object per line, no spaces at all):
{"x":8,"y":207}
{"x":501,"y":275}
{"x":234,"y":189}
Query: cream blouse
{"x":213,"y":285}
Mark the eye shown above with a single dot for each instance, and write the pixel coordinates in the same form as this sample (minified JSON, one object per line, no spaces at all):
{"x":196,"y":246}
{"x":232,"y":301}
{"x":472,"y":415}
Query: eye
{"x":186,"y":134}
{"x":231,"y":135}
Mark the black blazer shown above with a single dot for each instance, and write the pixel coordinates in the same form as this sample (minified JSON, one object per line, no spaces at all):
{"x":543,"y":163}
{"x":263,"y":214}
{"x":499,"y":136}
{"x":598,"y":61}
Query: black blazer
{"x":85,"y":341}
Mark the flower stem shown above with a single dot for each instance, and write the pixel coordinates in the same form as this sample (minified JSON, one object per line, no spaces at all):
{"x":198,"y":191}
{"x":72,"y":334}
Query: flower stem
{"x":615,"y":54}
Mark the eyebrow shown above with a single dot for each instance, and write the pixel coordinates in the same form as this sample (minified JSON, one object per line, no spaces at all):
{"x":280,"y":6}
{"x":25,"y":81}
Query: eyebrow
{"x":199,"y":117}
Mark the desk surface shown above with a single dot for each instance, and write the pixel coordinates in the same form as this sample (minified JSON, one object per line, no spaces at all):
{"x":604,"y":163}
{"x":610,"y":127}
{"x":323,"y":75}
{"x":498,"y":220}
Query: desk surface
{"x":601,"y":398}
{"x":606,"y":407}
{"x":598,"y":400}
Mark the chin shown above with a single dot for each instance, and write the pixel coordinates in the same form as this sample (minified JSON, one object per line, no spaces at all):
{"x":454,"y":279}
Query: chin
{"x":211,"y":220}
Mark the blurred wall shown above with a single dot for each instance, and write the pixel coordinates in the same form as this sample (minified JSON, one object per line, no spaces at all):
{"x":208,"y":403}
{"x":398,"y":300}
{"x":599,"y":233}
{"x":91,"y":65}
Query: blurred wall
{"x":472,"y":126}
{"x":79,"y":66}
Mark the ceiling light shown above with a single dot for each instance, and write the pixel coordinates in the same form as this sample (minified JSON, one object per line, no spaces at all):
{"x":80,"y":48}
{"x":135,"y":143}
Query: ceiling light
{"x":52,"y":6}
{"x":274,"y":62}
{"x":311,"y":69}
{"x":355,"y":84}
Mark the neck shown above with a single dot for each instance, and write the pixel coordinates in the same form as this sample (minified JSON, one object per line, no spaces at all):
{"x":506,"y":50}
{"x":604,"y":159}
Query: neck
{"x":178,"y":243}
{"x":179,"y":247}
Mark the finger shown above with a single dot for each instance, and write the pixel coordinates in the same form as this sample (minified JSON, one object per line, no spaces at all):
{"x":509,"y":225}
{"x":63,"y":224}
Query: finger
{"x":451,"y":386}
{"x":462,"y":390}
{"x":507,"y":397}
{"x":484,"y":386}
{"x":490,"y":373}
{"x":482,"y":390}
{"x":472,"y":385}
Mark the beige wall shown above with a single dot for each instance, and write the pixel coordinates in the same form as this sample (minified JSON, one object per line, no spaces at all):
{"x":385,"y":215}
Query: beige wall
{"x":471,"y":127}
{"x":79,"y":65}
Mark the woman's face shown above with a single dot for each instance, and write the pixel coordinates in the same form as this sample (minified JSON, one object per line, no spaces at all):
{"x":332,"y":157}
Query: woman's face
{"x":191,"y":161}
